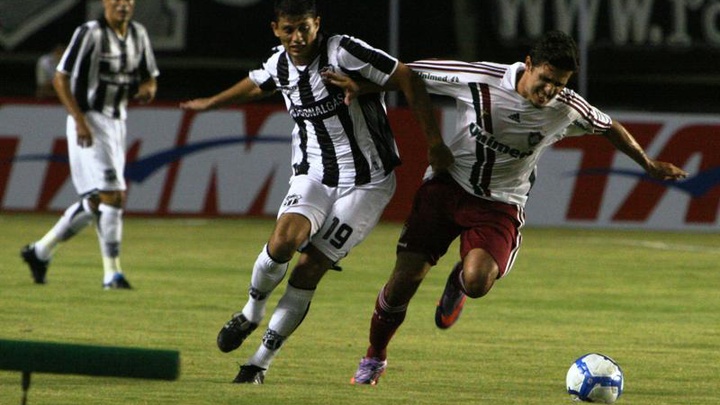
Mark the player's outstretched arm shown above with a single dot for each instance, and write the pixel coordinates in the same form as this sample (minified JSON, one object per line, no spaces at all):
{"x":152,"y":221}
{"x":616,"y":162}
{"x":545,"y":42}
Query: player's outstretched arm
{"x":626,"y":143}
{"x":242,"y":92}
{"x":439,"y":155}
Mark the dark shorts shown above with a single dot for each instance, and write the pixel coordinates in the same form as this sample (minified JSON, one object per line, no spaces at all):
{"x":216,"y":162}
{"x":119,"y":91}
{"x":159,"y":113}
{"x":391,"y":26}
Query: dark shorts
{"x":442,"y":210}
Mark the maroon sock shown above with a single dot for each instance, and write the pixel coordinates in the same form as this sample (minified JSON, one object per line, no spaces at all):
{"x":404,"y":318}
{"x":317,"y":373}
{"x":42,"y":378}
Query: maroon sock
{"x":385,"y":322}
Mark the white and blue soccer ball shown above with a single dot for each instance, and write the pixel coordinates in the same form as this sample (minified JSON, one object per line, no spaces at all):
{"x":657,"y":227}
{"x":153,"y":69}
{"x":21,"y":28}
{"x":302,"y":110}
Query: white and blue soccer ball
{"x":595,"y":377}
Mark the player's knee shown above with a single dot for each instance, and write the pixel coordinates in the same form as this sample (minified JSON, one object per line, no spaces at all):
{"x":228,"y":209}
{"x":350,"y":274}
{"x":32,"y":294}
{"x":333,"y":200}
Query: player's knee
{"x":480,"y":284}
{"x":291,"y":232}
{"x":113,"y":198}
{"x":282,"y":247}
{"x":308,"y":272}
{"x":93,"y":202}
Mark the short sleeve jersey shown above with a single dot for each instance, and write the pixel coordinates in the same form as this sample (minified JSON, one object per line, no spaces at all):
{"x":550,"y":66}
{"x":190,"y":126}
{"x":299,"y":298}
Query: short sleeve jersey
{"x":337,"y":144}
{"x":105,"y":69}
{"x":500,"y":136}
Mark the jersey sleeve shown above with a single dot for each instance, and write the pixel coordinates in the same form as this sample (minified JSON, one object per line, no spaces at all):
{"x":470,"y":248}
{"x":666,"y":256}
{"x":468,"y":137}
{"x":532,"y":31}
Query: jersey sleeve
{"x":442,"y":77}
{"x":587,"y":119}
{"x":373,"y":64}
{"x":148,"y":65}
{"x":77,"y":47}
{"x":262,"y":76}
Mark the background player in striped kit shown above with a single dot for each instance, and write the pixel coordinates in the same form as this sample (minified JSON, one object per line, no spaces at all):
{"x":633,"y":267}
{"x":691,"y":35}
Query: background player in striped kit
{"x":107,"y":61}
{"x":343,"y":161}
{"x":507,"y":116}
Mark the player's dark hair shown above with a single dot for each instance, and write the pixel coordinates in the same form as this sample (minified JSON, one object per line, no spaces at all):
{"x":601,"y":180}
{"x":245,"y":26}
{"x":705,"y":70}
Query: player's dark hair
{"x":295,"y":8}
{"x":558,"y":49}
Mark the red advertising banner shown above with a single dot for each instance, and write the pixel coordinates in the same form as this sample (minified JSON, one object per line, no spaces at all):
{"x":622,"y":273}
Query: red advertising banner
{"x":236,"y":162}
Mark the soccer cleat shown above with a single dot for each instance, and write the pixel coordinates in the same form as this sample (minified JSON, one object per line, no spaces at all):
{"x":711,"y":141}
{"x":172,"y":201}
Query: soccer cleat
{"x":451,"y":303}
{"x":250,"y":374}
{"x":38,"y":268}
{"x":369,"y":371}
{"x":118,"y":282}
{"x":234,"y":332}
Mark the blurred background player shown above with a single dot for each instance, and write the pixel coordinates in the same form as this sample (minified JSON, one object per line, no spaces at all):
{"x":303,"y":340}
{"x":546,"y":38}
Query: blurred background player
{"x":508,"y":115}
{"x":45,"y":72}
{"x":342,"y":161}
{"x":107,"y":61}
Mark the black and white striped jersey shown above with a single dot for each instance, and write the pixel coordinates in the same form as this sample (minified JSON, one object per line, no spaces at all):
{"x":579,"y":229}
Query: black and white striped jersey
{"x":337,"y":144}
{"x":104,"y":69}
{"x":500,"y":135}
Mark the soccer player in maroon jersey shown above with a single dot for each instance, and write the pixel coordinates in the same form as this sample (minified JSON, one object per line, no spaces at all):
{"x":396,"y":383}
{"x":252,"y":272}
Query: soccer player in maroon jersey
{"x":507,"y":115}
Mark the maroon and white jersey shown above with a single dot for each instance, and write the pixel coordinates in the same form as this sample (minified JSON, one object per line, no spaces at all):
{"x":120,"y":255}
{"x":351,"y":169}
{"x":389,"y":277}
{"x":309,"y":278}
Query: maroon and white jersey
{"x":500,"y":135}
{"x":337,"y":144}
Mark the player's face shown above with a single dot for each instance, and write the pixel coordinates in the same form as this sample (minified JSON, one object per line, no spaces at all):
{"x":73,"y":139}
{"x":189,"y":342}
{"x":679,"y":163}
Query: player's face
{"x":118,"y":11}
{"x":298,"y":34}
{"x":541,"y":83}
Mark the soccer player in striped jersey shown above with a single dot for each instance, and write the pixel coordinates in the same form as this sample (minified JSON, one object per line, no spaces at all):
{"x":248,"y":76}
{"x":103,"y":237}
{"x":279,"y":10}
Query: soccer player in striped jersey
{"x":343,"y":156}
{"x":107,"y":61}
{"x":507,"y":115}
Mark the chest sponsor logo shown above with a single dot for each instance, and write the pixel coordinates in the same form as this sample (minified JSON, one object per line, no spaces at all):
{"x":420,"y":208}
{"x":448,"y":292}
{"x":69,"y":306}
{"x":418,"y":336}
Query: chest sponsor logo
{"x":321,"y":109}
{"x":491,"y":142}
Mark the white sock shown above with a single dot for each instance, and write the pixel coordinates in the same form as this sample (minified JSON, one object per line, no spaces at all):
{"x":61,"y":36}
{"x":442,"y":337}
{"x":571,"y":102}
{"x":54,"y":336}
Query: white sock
{"x":74,"y":219}
{"x":289,"y":314}
{"x":111,"y":266}
{"x":266,"y":275}
{"x":109,"y":230}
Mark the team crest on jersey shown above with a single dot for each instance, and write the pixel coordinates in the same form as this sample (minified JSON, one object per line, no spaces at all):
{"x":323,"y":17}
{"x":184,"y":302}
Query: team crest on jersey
{"x":110,"y":175}
{"x":534,"y":138}
{"x":292,"y":199}
{"x":288,"y":89}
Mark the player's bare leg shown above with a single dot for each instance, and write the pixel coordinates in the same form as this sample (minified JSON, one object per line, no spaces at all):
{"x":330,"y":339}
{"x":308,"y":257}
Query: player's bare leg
{"x":472,"y":277}
{"x":479,"y":273}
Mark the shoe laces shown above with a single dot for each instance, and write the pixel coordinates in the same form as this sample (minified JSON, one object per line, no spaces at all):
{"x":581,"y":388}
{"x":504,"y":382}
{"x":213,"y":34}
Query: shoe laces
{"x":238,"y":323}
{"x":368,"y":368}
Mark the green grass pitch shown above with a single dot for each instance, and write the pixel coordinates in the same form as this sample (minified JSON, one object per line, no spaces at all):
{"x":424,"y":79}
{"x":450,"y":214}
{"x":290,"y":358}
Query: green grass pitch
{"x":650,"y":300}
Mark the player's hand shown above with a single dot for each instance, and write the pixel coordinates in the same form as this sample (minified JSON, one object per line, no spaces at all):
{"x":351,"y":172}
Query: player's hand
{"x":440,"y":157}
{"x":198,"y":104}
{"x":146,"y":92}
{"x":84,"y":135}
{"x":665,"y":171}
{"x":348,"y":85}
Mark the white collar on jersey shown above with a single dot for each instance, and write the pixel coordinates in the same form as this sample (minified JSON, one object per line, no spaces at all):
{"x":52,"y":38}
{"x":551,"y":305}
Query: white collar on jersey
{"x":509,"y":79}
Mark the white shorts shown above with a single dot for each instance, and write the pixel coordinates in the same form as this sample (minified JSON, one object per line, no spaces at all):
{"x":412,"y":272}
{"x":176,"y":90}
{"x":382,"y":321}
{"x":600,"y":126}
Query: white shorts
{"x":101,"y":166}
{"x":340,"y":217}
